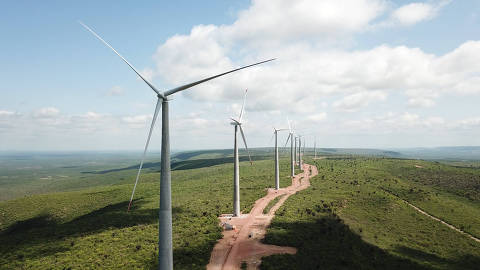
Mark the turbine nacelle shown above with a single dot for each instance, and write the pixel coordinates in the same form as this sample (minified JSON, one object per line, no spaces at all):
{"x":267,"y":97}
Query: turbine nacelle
{"x":235,"y":122}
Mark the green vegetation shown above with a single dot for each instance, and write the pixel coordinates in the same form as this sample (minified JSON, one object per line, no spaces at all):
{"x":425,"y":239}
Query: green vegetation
{"x":346,"y":220}
{"x":353,"y":215}
{"x":272,"y":203}
{"x":90,"y":228}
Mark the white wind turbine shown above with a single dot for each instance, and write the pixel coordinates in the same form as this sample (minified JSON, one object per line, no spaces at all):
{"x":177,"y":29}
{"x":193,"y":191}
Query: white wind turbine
{"x":295,"y":150}
{"x":304,"y":144}
{"x":292,"y":149}
{"x":300,"y":151}
{"x":237,"y":123}
{"x":277,"y":169}
{"x":165,"y":252}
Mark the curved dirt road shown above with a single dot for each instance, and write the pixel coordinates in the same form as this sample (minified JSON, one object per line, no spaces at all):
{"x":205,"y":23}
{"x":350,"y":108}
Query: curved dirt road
{"x":243,"y":243}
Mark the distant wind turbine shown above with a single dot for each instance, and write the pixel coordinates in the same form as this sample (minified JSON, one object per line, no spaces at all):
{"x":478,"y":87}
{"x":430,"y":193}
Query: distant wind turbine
{"x":237,"y":123}
{"x":277,"y":169}
{"x":300,"y":151}
{"x":292,"y":150}
{"x":304,"y":145}
{"x":295,"y":150}
{"x":165,"y":252}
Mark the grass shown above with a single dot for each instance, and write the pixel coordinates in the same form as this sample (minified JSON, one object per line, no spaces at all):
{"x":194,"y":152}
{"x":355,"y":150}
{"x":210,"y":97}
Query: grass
{"x":91,"y":228}
{"x":345,"y":220}
{"x":272,"y":203}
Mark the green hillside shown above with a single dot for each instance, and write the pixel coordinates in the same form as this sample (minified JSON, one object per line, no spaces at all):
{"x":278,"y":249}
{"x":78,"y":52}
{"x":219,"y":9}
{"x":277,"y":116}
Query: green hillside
{"x":91,"y":228}
{"x":349,"y":218}
{"x":353,"y":215}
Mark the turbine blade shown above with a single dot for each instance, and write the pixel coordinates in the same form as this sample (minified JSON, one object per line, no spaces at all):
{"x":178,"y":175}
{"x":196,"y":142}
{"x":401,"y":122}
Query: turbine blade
{"x":271,"y":138}
{"x":235,"y":120}
{"x":245,"y":142}
{"x":289,"y":136}
{"x":186,"y":86}
{"x":157,"y":108}
{"x":243,"y":106}
{"x":125,"y":60}
{"x":289,"y":126}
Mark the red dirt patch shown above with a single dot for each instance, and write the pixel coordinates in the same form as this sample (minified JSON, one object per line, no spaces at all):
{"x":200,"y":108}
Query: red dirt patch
{"x":243,"y":243}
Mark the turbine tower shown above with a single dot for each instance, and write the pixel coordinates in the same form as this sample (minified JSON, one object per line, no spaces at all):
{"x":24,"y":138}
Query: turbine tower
{"x":277,"y":169}
{"x":315,"y":147}
{"x":237,"y":123}
{"x":295,"y":151}
{"x":304,"y":145}
{"x":292,"y":154}
{"x":300,"y":151}
{"x":165,"y":252}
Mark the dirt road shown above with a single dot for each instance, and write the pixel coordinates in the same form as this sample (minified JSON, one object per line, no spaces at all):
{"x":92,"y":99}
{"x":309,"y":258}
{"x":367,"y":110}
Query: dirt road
{"x":243,"y":243}
{"x":435,"y":218}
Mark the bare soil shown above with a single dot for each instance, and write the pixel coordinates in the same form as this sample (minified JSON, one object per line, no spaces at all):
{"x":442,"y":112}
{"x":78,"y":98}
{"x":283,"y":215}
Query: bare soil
{"x":243,"y":243}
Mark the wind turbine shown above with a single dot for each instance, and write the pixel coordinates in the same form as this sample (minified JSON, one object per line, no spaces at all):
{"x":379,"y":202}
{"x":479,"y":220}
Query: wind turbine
{"x":304,"y":145}
{"x":292,"y":154}
{"x":277,"y":170}
{"x":295,"y":151}
{"x":300,"y":151}
{"x":237,"y":123}
{"x":315,"y":147}
{"x":165,"y":252}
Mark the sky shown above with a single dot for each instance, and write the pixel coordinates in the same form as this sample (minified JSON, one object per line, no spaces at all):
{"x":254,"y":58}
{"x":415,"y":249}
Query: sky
{"x":349,"y":73}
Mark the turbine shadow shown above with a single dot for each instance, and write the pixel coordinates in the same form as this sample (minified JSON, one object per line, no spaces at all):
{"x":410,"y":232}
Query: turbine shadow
{"x":327,"y":243}
{"x":44,"y":231}
{"x":180,"y":165}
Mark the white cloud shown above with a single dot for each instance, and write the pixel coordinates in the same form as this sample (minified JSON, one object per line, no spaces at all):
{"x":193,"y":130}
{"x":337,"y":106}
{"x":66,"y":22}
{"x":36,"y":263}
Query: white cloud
{"x":48,"y":112}
{"x":356,"y":101}
{"x":6,"y":113}
{"x":315,"y":66}
{"x":138,"y":119}
{"x":413,"y":13}
{"x":421,"y":102}
{"x":469,"y":122}
{"x":304,"y":69}
{"x":267,"y":22}
{"x":319,"y":117}
{"x":394,"y":122}
{"x":317,"y":73}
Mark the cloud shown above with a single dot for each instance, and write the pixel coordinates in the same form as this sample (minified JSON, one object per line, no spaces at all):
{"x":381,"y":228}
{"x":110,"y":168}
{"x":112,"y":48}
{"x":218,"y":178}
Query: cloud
{"x":307,"y":67}
{"x":414,"y":13}
{"x":319,"y":117}
{"x":4,"y":113}
{"x":115,"y":91}
{"x":421,"y":102}
{"x":317,"y":65}
{"x":138,"y":120}
{"x":469,"y":123}
{"x":394,"y":122}
{"x":48,"y":112}
{"x":273,"y":21}
{"x":356,"y":101}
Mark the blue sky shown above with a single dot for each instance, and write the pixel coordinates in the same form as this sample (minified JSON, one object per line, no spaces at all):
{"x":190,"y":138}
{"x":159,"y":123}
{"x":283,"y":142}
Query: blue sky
{"x":369,"y":73}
